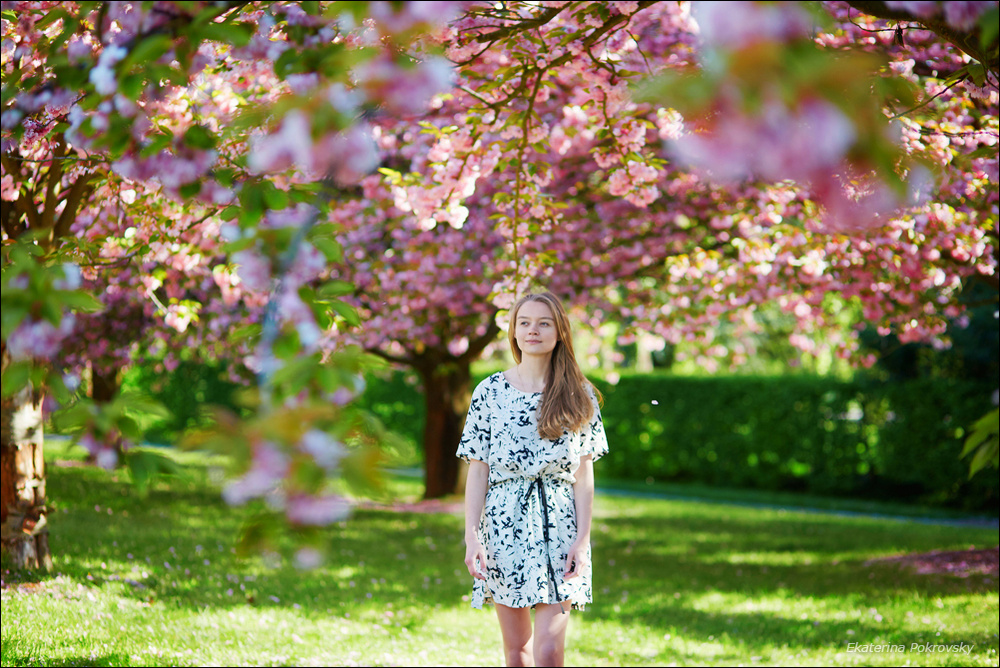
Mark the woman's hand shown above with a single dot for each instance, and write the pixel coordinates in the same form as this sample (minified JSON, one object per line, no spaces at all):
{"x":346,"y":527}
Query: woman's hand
{"x":576,"y":559}
{"x":475,"y":552}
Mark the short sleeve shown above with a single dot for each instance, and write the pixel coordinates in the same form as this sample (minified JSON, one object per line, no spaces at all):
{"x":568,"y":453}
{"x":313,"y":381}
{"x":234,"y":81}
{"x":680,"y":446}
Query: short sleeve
{"x":475,"y":443}
{"x":594,"y":441}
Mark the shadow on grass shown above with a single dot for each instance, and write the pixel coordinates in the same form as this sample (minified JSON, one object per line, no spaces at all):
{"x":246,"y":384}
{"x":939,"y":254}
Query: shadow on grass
{"x":113,"y":659}
{"x":658,"y":564}
{"x":14,"y":659}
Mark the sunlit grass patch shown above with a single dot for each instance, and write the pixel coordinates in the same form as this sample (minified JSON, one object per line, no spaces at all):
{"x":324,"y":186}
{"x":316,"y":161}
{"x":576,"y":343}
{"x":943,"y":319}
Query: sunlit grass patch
{"x":158,"y":582}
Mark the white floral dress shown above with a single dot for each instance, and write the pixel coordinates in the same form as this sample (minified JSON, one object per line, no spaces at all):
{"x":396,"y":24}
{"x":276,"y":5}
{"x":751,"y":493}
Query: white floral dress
{"x":529,"y":520}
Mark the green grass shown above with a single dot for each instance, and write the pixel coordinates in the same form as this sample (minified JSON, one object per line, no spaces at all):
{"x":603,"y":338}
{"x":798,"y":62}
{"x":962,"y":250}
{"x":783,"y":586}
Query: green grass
{"x":157,"y":582}
{"x":752,"y":497}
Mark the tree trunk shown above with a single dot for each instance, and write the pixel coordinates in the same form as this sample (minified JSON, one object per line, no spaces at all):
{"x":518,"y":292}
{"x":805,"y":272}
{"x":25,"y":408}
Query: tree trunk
{"x":447,"y":393}
{"x":22,"y":487}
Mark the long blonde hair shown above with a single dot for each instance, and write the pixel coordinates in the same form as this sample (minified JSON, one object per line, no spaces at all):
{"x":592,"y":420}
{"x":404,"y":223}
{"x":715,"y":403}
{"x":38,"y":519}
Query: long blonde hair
{"x":566,"y":403}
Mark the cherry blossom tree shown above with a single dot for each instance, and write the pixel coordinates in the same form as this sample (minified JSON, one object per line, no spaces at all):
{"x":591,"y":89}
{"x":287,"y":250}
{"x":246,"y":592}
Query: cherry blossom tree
{"x":191,"y":115}
{"x":672,"y":171}
{"x":669,"y":166}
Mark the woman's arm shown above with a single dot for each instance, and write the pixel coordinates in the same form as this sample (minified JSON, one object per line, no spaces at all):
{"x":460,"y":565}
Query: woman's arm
{"x":475,"y":500}
{"x":583,"y":493}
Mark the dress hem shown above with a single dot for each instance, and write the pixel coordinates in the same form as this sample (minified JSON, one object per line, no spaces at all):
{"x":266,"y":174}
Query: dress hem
{"x":574,"y":605}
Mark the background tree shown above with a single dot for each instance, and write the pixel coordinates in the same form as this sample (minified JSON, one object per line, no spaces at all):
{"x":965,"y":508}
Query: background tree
{"x":542,"y":169}
{"x":539,"y":165}
{"x":199,"y":110}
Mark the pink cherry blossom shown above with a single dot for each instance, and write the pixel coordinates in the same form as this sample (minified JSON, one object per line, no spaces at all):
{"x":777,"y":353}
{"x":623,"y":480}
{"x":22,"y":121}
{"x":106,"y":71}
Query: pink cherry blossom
{"x":317,"y":511}
{"x":269,"y":465}
{"x":39,"y":339}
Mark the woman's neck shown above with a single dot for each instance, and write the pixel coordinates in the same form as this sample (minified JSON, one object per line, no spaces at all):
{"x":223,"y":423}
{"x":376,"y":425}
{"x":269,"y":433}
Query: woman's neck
{"x":533,"y":370}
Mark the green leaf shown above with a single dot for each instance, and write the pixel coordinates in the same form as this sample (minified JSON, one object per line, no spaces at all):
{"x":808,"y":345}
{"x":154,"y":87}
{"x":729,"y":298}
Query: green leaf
{"x":57,"y":389}
{"x":286,"y":62}
{"x":79,"y":300}
{"x":75,"y":417}
{"x":335,"y":289}
{"x":150,"y":48}
{"x":296,"y":373}
{"x":189,"y":190}
{"x":129,"y":428}
{"x":146,"y":466}
{"x":275,"y":198}
{"x":984,"y":152}
{"x":252,"y":201}
{"x":986,"y":426}
{"x":244,"y":333}
{"x":256,"y":535}
{"x":977,"y":74}
{"x":15,"y":377}
{"x":960,"y":73}
{"x":135,"y":402}
{"x":11,"y":316}
{"x":989,"y":27}
{"x":198,"y":136}
{"x":347,"y":312}
{"x":984,"y":440}
{"x":989,"y":453}
{"x":237,"y":34}
{"x":131,"y":86}
{"x":231,"y":247}
{"x":51,"y":309}
{"x":49,"y":16}
{"x":157,"y":143}
{"x":330,"y":249}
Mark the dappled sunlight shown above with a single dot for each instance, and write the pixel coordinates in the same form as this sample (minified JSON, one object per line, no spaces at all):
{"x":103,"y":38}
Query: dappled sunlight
{"x":768,"y":558}
{"x":674,"y":582}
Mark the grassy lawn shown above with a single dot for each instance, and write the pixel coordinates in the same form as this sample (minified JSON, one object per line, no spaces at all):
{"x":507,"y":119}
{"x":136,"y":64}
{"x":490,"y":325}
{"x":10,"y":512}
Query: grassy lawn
{"x":686,"y":583}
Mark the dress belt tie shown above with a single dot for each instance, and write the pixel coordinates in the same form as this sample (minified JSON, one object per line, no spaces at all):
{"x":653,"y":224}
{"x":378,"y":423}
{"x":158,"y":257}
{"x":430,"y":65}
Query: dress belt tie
{"x":538,"y":485}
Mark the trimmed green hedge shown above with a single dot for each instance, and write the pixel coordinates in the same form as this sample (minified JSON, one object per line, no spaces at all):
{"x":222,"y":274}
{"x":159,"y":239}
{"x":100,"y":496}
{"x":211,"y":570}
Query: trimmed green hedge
{"x":895,"y":441}
{"x":186,"y":392}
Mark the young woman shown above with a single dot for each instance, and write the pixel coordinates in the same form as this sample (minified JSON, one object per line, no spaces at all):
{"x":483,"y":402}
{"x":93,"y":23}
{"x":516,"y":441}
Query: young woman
{"x":531,"y":437}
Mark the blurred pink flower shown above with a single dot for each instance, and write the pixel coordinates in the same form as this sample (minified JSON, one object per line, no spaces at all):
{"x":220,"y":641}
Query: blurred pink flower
{"x":290,"y":146}
{"x":920,"y":8}
{"x":317,"y":511}
{"x":308,"y":558}
{"x":104,"y":456}
{"x":39,"y":339}
{"x":405,"y":89}
{"x":800,"y":142}
{"x":254,"y":271}
{"x":963,"y":15}
{"x":269,"y":466}
{"x":103,"y":75}
{"x":348,"y":156}
{"x":326,"y":450}
{"x":734,"y":25}
{"x":394,"y":18}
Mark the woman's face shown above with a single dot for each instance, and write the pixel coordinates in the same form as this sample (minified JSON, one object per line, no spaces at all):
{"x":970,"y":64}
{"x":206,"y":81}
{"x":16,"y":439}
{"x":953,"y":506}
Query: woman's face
{"x":535,"y":329}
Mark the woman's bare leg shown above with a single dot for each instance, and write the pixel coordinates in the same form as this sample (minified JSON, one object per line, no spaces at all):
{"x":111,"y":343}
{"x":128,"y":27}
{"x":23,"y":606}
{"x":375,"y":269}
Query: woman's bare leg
{"x":550,"y":633}
{"x":515,"y":625}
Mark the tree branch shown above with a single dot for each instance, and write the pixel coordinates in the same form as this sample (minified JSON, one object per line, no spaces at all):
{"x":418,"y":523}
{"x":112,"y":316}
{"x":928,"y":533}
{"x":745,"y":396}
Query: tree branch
{"x":476,"y":346}
{"x":391,"y":358}
{"x":966,"y":41}
{"x":53,"y":179}
{"x":522,"y":26}
{"x":78,"y":192}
